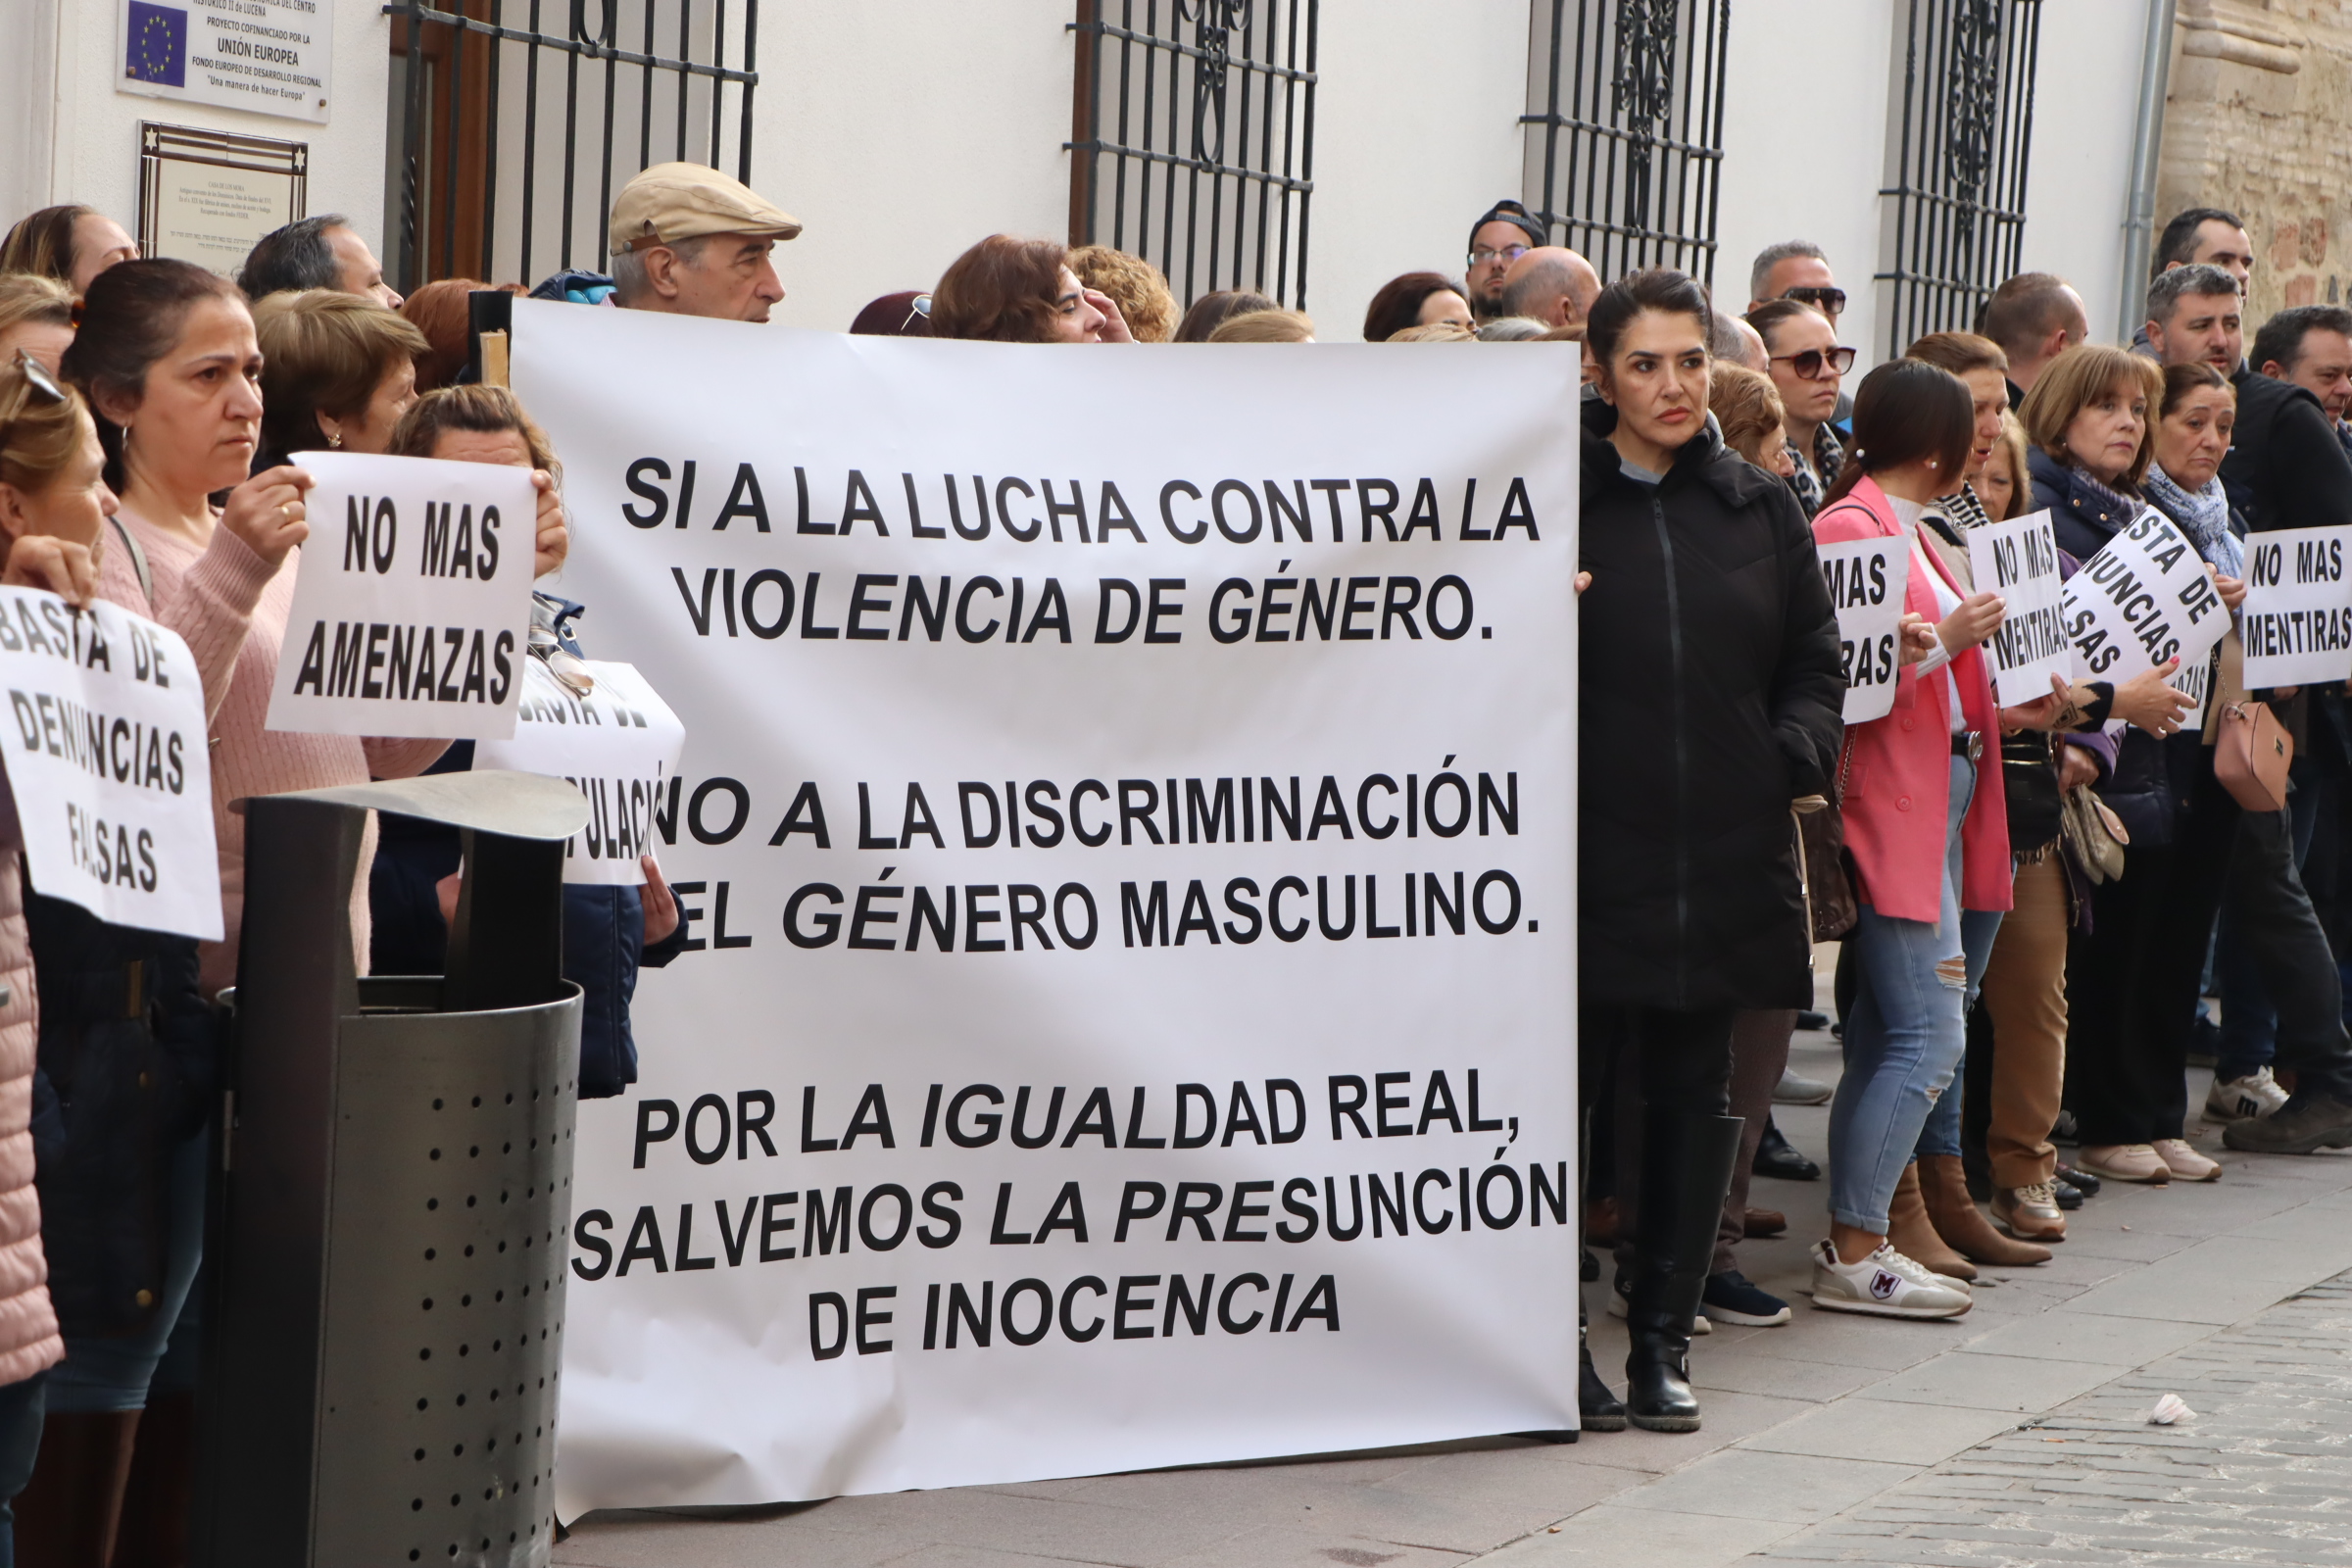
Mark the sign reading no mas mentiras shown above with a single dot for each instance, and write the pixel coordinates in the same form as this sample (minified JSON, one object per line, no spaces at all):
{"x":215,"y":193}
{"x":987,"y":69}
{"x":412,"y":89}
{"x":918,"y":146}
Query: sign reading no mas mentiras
{"x":2297,"y":619}
{"x":1867,"y":579}
{"x":2019,"y":560}
{"x":413,"y":601}
{"x":105,"y":753}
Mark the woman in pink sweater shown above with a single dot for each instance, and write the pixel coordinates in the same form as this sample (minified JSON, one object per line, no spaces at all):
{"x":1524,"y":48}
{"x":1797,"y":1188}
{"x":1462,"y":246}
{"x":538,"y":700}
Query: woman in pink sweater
{"x":168,"y":358}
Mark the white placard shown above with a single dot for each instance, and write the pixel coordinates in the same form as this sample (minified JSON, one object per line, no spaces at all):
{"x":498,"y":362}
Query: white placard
{"x":1867,"y":579}
{"x":2144,"y":598}
{"x":2019,"y":560}
{"x":1039,"y":759}
{"x":106,"y":755}
{"x":269,"y":57}
{"x":413,"y":602}
{"x":619,"y":745}
{"x":2296,"y":622}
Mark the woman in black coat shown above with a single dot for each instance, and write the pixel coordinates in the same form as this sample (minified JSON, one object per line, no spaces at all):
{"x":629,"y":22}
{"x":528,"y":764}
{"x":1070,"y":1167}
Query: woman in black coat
{"x":1710,"y":692}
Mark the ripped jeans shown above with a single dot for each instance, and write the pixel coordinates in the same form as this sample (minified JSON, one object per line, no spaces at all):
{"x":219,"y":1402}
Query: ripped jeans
{"x":1903,"y":1038}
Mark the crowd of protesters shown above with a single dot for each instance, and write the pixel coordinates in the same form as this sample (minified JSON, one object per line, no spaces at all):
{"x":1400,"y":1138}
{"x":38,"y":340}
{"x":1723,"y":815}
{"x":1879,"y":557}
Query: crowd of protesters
{"x":2043,"y":895}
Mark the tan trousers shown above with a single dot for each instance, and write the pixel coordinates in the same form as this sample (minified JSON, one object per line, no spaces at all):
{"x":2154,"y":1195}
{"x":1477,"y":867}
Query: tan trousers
{"x":2024,"y":991}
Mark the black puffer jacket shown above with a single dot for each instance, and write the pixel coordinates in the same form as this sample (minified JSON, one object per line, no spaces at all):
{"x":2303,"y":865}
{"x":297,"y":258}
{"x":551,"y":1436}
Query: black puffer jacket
{"x":1710,"y":697}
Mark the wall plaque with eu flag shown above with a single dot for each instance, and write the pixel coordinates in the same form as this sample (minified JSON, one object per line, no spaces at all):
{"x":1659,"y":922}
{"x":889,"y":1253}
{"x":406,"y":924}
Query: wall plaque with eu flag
{"x":269,"y":57}
{"x":157,"y":48}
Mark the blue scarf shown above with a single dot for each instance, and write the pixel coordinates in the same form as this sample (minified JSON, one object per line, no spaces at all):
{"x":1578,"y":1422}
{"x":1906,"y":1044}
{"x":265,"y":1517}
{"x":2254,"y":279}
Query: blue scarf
{"x":2204,"y":515}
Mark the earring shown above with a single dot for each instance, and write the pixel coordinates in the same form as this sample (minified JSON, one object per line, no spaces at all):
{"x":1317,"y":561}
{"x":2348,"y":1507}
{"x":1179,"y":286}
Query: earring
{"x":1933,"y":464}
{"x":334,"y":439}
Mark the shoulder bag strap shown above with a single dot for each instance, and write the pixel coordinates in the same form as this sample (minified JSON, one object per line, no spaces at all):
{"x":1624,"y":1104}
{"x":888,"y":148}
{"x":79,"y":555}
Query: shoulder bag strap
{"x":138,"y":558}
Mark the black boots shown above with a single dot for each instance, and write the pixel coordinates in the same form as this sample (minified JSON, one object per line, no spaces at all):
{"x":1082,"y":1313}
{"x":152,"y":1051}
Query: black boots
{"x":1685,"y":1170}
{"x":1596,"y":1408}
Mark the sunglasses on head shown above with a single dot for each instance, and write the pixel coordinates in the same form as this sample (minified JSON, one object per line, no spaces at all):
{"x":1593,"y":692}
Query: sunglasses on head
{"x":1828,"y":301}
{"x":1808,"y":363}
{"x":36,"y":375}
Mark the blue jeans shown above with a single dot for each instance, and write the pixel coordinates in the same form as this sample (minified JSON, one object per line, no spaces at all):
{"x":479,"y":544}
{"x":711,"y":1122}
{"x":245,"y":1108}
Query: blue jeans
{"x":1903,"y":1039}
{"x":1977,"y":928}
{"x":2249,"y":1022}
{"x":20,"y":1415}
{"x":112,"y":1374}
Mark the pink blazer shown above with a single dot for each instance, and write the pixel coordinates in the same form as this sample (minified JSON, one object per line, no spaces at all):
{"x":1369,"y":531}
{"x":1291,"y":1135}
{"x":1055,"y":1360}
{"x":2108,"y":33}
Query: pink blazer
{"x":1898,"y":775}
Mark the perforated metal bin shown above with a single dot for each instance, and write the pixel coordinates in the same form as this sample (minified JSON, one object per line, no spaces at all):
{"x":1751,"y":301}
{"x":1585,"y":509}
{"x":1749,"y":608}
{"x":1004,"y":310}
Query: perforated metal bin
{"x":385,"y":1312}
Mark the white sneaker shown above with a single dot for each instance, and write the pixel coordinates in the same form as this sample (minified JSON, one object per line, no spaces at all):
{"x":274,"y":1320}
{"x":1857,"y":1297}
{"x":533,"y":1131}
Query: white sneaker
{"x":2254,"y":1096}
{"x":1885,"y":1284}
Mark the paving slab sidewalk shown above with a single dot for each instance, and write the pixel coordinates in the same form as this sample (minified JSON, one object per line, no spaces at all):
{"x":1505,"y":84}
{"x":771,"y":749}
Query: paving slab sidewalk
{"x":1828,"y":1437}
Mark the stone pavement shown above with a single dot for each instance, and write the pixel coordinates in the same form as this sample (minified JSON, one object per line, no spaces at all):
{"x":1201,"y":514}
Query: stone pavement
{"x":2009,"y":1437}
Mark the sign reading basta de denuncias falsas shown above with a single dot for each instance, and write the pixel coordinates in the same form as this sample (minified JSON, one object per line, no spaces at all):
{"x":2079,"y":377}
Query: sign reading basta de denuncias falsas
{"x":1125,"y":827}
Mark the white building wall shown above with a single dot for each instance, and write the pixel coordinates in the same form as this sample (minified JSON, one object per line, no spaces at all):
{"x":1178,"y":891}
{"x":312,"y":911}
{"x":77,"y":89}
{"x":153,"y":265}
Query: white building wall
{"x":901,"y":133}
{"x":1805,"y":146}
{"x":1416,"y":133}
{"x":2078,"y":189}
{"x":92,"y":155}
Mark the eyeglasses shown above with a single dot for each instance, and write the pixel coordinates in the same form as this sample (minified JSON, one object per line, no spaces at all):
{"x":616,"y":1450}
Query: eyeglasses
{"x":1828,"y":301}
{"x":1808,"y":364}
{"x":1508,"y":253}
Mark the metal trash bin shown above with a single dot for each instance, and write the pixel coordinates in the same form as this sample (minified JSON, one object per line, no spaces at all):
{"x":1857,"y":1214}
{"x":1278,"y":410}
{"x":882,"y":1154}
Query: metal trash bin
{"x":383,"y":1322}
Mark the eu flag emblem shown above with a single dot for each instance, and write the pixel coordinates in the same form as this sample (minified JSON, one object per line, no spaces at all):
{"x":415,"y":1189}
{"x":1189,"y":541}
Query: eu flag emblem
{"x":158,"y":48}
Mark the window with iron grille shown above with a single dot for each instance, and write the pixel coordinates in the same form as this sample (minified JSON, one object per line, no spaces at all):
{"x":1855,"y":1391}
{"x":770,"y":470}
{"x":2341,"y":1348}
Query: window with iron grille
{"x":514,"y":121}
{"x":1955,"y":223}
{"x":1625,"y":130}
{"x":1193,"y":139}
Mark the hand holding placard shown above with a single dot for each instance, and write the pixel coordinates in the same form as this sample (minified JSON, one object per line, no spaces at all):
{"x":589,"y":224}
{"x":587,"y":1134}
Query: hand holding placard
{"x":105,"y":754}
{"x":411,"y":608}
{"x":1867,"y":579}
{"x":2019,"y":560}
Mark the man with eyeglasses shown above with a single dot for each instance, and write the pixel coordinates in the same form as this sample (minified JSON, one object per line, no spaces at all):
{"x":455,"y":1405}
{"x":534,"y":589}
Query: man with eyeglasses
{"x":1507,"y":231}
{"x":1807,"y":364}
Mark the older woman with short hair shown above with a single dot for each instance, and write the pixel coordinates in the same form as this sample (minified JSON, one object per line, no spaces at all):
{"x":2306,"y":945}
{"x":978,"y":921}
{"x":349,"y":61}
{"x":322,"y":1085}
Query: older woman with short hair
{"x":338,"y":370}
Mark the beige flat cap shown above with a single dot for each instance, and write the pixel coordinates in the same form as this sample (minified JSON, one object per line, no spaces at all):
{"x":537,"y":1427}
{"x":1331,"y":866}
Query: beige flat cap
{"x":671,"y":202}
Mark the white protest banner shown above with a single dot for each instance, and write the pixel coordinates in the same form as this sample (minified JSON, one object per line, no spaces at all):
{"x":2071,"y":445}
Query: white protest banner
{"x":413,"y":600}
{"x":1130,"y":861}
{"x":2019,"y":560}
{"x":2145,"y":598}
{"x":106,"y":755}
{"x":2296,"y":622}
{"x":620,"y":744}
{"x":1867,"y":579}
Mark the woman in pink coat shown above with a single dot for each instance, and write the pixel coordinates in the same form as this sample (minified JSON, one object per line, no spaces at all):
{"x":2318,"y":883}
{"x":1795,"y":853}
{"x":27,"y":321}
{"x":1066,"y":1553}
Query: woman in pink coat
{"x":1928,"y":828}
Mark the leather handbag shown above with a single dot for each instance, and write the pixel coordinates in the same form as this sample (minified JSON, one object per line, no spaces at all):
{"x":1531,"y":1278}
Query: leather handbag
{"x":1822,"y":867}
{"x":2093,"y":836}
{"x":2252,"y":755}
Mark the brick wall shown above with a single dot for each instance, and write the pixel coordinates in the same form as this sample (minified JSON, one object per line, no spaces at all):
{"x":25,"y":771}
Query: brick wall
{"x":2258,"y":119}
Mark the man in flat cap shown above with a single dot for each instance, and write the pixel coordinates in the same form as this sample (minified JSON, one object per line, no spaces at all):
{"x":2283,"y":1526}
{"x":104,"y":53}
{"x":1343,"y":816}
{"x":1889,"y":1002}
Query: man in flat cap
{"x":688,"y":240}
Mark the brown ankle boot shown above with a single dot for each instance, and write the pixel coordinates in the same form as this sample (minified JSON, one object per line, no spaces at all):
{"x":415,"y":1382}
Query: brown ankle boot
{"x":1943,"y":1184}
{"x":68,"y":1514}
{"x":1912,"y":1234}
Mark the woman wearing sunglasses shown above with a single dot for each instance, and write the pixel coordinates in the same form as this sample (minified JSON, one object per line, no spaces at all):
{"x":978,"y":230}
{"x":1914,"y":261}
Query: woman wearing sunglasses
{"x":1710,"y":691}
{"x":1808,"y":366}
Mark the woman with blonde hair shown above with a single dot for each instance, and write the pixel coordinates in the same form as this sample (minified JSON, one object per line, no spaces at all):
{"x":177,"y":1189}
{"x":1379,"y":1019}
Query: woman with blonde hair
{"x":71,"y":244}
{"x":1266,"y":326}
{"x":36,"y":315}
{"x":1139,"y":289}
{"x":338,"y":370}
{"x":2091,"y":418}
